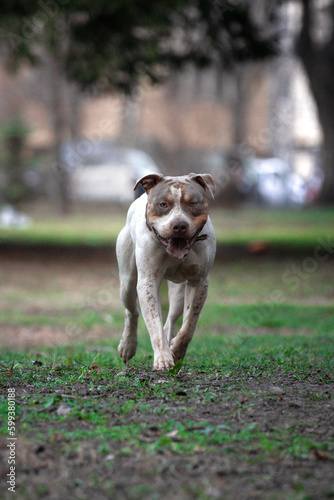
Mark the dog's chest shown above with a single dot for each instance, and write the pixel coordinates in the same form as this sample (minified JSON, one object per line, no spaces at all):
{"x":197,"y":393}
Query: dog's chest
{"x":187,"y":270}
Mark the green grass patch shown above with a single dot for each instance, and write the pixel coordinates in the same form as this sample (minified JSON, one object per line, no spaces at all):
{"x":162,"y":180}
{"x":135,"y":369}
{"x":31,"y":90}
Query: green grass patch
{"x":90,"y":230}
{"x":218,"y":405}
{"x":316,"y":319}
{"x":263,"y":355}
{"x":81,"y":318}
{"x":233,"y":361}
{"x":297,"y":228}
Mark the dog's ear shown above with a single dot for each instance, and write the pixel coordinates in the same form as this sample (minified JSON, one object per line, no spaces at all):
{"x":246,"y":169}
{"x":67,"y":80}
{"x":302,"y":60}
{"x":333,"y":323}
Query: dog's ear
{"x":149,"y":181}
{"x":206,"y":181}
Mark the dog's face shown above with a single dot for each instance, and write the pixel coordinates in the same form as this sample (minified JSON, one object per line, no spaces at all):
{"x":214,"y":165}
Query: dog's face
{"x":177,"y":209}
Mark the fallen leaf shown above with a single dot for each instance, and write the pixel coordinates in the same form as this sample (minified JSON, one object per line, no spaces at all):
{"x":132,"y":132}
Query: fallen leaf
{"x":10,"y":371}
{"x":277,"y":391}
{"x":243,"y":399}
{"x":258,"y":248}
{"x":97,"y":368}
{"x":174,"y":436}
{"x":320,"y":455}
{"x":63,"y":410}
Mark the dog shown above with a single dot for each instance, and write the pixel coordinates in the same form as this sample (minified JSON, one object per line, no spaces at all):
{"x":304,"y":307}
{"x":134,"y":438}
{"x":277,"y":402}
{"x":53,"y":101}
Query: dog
{"x":168,"y":235}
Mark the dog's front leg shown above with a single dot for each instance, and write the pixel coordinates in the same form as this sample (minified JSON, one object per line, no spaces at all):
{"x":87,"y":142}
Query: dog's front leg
{"x":149,"y":300}
{"x":195,"y":297}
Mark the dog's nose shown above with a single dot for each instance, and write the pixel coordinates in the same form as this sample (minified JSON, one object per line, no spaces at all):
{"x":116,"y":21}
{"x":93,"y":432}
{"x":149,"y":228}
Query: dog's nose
{"x":180,"y":227}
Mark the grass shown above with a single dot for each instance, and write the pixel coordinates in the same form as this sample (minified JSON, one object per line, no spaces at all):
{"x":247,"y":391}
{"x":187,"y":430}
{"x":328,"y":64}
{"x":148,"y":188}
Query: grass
{"x":73,"y":230}
{"x":83,"y":318}
{"x":214,"y":422}
{"x":298,"y":228}
{"x":212,"y":407}
{"x":263,"y":356}
{"x":217,"y":371}
{"x":315,"y":319}
{"x":294,"y":228}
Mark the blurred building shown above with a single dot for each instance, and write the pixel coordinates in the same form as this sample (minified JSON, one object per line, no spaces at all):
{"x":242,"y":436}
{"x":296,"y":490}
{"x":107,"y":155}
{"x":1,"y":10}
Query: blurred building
{"x":265,"y":107}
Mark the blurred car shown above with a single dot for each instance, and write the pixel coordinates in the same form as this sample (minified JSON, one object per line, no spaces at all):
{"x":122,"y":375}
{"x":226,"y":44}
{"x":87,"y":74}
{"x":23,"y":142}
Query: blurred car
{"x":272,"y":182}
{"x":103,"y":172}
{"x":10,"y":217}
{"x":271,"y":176}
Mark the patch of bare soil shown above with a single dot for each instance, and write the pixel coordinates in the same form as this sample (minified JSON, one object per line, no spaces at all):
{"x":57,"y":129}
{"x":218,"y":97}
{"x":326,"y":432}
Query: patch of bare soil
{"x":49,"y":467}
{"x":16,"y":336}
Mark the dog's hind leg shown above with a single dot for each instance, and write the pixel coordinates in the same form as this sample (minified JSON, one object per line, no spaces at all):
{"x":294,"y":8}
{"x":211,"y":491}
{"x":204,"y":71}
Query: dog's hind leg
{"x":176,"y":293}
{"x":128,"y":284}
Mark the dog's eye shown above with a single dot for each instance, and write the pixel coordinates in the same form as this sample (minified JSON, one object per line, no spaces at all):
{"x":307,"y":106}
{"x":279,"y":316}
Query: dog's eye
{"x":193,"y":204}
{"x":163,"y":204}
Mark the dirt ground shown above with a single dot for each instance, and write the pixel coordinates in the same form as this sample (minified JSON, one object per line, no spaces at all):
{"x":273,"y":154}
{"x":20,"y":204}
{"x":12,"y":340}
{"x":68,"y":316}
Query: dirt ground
{"x":52,"y":469}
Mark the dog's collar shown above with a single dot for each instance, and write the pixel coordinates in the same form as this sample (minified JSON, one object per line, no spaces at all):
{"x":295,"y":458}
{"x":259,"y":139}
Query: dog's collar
{"x":202,"y":237}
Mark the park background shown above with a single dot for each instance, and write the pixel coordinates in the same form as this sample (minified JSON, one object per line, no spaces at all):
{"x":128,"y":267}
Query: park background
{"x":91,"y":98}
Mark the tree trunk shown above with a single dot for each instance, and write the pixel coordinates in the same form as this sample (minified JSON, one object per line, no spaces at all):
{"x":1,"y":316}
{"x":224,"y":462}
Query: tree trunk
{"x":319,"y":66}
{"x":59,"y":130}
{"x":240,"y":111}
{"x":74,"y":107}
{"x":327,"y":194}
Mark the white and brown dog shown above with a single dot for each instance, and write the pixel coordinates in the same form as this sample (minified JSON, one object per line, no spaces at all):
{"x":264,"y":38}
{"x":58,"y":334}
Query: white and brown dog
{"x":168,"y":234}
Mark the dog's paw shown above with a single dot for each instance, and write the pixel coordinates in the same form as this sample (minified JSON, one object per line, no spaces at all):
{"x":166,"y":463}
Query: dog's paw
{"x":178,"y":350}
{"x":163,"y":361}
{"x":127,"y":349}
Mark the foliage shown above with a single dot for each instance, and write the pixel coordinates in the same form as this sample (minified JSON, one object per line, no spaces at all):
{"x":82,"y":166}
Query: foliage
{"x":14,"y":128}
{"x":13,"y":136}
{"x":134,"y":39}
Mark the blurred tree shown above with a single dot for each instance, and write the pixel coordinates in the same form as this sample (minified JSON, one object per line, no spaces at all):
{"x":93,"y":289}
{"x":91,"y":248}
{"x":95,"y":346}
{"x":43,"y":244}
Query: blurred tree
{"x":13,"y":135}
{"x":112,"y":45}
{"x":316,"y":50}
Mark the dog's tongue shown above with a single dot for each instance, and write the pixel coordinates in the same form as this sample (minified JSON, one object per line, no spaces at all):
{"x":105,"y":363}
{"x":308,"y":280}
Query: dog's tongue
{"x":178,"y":248}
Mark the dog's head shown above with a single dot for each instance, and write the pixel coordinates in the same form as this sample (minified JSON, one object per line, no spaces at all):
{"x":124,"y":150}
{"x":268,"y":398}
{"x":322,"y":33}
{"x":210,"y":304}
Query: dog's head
{"x":177,"y":209}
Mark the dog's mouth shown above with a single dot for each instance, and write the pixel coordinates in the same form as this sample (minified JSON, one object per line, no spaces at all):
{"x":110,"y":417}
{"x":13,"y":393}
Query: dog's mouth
{"x":177,"y":247}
